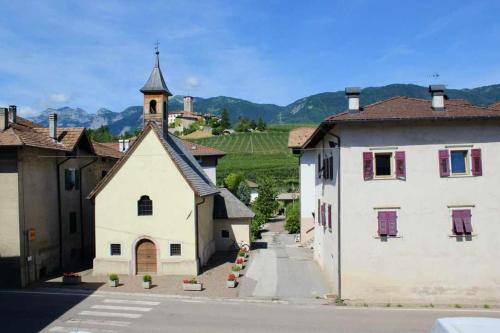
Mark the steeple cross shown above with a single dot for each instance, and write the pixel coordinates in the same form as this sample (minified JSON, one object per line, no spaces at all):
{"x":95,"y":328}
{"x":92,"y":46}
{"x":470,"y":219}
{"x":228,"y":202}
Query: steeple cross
{"x":156,"y":46}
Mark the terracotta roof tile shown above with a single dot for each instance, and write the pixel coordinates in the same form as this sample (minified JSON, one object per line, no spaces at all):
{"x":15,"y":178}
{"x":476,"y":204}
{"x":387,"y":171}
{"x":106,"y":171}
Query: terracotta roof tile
{"x":406,"y":108}
{"x":105,"y":150}
{"x":298,"y":136}
{"x":495,"y":106}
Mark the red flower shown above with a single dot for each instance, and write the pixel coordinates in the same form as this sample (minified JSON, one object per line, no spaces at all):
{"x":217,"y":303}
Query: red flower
{"x":239,"y":261}
{"x":71,"y":274}
{"x":231,"y":277}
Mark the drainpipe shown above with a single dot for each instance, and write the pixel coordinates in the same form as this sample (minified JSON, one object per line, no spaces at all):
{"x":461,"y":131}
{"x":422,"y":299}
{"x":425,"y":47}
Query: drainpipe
{"x":59,"y":210}
{"x":196,"y":234}
{"x":339,"y":267}
{"x":82,"y":235}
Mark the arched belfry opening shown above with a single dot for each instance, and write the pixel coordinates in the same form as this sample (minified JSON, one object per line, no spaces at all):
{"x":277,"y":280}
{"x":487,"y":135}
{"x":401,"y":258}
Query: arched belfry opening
{"x":152,"y":106}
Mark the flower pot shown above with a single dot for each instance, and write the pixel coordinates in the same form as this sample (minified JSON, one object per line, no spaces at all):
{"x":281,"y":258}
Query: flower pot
{"x":113,"y":283}
{"x":240,"y":266}
{"x":72,"y":280}
{"x":231,"y":284}
{"x":236,"y":274}
{"x":146,"y":284}
{"x":192,"y":286}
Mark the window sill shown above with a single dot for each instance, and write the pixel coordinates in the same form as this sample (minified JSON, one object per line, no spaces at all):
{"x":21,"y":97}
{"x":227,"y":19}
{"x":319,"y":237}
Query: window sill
{"x":465,"y":235}
{"x":386,"y":237}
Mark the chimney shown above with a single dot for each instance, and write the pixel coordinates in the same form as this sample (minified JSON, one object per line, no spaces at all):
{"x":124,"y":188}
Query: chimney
{"x":126,"y":144}
{"x":4,"y":119}
{"x":12,"y":113}
{"x":188,"y":104}
{"x":352,"y":94}
{"x":53,"y":126}
{"x":121,"y":145}
{"x":437,"y":92}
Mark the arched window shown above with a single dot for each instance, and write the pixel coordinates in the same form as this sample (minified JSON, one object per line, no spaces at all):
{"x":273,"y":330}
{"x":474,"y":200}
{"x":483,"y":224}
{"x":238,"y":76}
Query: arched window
{"x":144,"y":206}
{"x":152,"y":106}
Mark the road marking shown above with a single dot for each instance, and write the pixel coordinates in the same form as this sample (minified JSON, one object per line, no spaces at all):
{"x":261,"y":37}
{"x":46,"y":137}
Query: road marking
{"x":126,"y":301}
{"x":61,"y":329}
{"x":97,"y":322}
{"x":118,"y":307}
{"x":110,"y":314}
{"x":192,"y":301}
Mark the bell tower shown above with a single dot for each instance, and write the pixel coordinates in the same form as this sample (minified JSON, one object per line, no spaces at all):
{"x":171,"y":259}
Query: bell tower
{"x":156,"y":96}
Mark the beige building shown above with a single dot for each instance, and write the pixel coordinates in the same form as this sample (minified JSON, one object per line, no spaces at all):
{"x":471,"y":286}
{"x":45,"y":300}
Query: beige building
{"x":154,"y":211}
{"x":406,"y":200}
{"x":46,"y":174}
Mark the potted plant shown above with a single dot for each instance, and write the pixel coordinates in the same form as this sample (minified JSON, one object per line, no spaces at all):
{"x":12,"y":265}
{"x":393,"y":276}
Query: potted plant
{"x":71,"y":278}
{"x":146,"y":281}
{"x":231,"y":281}
{"x":192,"y":285}
{"x":236,"y":270}
{"x":242,"y":253}
{"x":113,"y":280}
{"x":240,"y":262}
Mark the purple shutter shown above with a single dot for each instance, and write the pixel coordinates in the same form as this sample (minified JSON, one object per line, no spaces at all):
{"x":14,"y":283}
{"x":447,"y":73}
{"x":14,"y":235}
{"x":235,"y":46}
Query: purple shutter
{"x":477,"y":165}
{"x":444,"y":163}
{"x":329,"y":216}
{"x":458,"y":225}
{"x":466,"y":219}
{"x":400,"y":165}
{"x":392,"y":227}
{"x":323,"y":217}
{"x":382,"y":224}
{"x":368,"y":165}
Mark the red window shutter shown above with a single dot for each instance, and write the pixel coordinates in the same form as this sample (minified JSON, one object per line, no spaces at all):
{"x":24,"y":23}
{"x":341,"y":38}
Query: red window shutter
{"x":444,"y":163}
{"x":368,"y":165}
{"x":400,"y":165}
{"x":382,"y":224}
{"x":466,"y":219}
{"x":477,"y":165}
{"x":392,"y":227}
{"x":329,"y":216}
{"x":458,"y":225}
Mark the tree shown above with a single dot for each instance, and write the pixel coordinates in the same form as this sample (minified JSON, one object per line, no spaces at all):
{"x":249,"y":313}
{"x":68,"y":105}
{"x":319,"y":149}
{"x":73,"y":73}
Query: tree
{"x":232,"y":181}
{"x":253,"y":124}
{"x":224,"y":120}
{"x":101,"y":134}
{"x":243,"y":192}
{"x":266,"y":203}
{"x":292,"y":218}
{"x":261,"y":125}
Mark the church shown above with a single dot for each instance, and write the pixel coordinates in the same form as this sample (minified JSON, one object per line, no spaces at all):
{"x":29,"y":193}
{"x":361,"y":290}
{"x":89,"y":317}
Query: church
{"x":157,"y":211}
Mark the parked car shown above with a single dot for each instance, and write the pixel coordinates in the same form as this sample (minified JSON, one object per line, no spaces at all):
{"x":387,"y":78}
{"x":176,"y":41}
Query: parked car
{"x":466,"y":325}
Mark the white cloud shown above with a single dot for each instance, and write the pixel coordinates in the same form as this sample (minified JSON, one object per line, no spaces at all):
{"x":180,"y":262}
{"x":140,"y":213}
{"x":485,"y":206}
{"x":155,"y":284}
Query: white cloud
{"x":27,"y":111}
{"x":191,"y":82}
{"x":58,"y":98}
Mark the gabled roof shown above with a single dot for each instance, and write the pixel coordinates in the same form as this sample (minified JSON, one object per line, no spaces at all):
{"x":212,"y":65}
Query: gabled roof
{"x":298,"y":136}
{"x":185,"y":162}
{"x":406,"y":109}
{"x":156,"y":83}
{"x":106,"y":150}
{"x":26,"y":133}
{"x":227,"y":206}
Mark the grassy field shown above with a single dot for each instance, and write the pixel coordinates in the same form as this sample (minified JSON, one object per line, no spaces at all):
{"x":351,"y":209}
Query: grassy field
{"x":257,"y":155}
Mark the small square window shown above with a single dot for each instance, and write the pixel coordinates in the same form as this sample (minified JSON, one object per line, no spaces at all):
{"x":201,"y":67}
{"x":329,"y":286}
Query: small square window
{"x":224,"y":234}
{"x":383,"y":164}
{"x":459,"y":162}
{"x":116,"y":249}
{"x":72,"y":223}
{"x":175,"y":249}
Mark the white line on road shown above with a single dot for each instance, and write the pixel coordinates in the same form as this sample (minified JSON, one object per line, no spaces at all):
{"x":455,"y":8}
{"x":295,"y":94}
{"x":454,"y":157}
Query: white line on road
{"x":126,"y":301}
{"x":110,"y":314}
{"x":118,"y":307}
{"x":97,"y":322}
{"x":60,"y":329}
{"x":192,"y":301}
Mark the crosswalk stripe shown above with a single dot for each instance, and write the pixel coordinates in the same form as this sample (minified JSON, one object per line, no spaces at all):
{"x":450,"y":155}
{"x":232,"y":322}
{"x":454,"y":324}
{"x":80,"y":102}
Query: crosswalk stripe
{"x":60,"y":329}
{"x":118,"y":307}
{"x":97,"y":322}
{"x":126,"y":301}
{"x":110,"y":314}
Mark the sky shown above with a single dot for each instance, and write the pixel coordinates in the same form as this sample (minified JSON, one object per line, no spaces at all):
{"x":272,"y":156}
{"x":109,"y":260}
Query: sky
{"x":94,"y":54}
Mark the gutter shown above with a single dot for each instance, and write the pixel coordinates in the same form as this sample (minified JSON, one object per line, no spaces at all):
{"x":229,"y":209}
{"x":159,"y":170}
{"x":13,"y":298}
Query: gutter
{"x":196,"y":244}
{"x":59,"y":209}
{"x":82,"y":236}
{"x":339,"y":248}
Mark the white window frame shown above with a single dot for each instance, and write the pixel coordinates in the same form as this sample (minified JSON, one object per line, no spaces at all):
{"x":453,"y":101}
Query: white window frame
{"x":468,"y":162}
{"x":393,"y":165}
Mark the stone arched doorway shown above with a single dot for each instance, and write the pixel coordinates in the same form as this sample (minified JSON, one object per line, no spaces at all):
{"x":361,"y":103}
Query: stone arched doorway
{"x":145,"y":257}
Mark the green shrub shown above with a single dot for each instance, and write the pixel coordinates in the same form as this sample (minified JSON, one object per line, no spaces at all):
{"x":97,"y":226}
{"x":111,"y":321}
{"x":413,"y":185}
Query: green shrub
{"x":236,"y":268}
{"x":243,"y":192}
{"x":113,"y":277}
{"x":232,"y":181}
{"x":147,"y":278}
{"x":292,"y":218}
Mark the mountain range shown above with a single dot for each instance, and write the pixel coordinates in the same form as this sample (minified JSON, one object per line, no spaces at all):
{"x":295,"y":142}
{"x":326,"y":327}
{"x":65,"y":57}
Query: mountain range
{"x":311,"y":109}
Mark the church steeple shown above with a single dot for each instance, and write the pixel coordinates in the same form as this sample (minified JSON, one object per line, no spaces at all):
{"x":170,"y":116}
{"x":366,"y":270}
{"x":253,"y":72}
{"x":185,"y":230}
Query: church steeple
{"x":156,"y":96}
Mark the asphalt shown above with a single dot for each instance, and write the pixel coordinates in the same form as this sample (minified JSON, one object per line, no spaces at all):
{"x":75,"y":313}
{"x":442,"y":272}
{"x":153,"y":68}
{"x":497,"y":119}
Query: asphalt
{"x":66,"y":311}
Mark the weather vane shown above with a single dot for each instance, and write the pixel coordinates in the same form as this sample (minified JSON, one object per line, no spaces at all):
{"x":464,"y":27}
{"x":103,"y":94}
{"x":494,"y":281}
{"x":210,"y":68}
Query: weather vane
{"x":435,"y":75}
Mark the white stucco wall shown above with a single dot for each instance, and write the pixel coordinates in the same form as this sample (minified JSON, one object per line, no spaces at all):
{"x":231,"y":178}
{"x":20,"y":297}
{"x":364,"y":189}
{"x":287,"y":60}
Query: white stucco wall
{"x":211,"y":173}
{"x":148,"y":171}
{"x":307,"y":194}
{"x":425,"y":264}
{"x":239,"y":232}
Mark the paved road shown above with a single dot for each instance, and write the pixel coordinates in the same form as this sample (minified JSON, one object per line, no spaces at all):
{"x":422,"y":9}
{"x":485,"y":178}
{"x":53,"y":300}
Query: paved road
{"x":282,"y":270}
{"x":34,"y":311}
